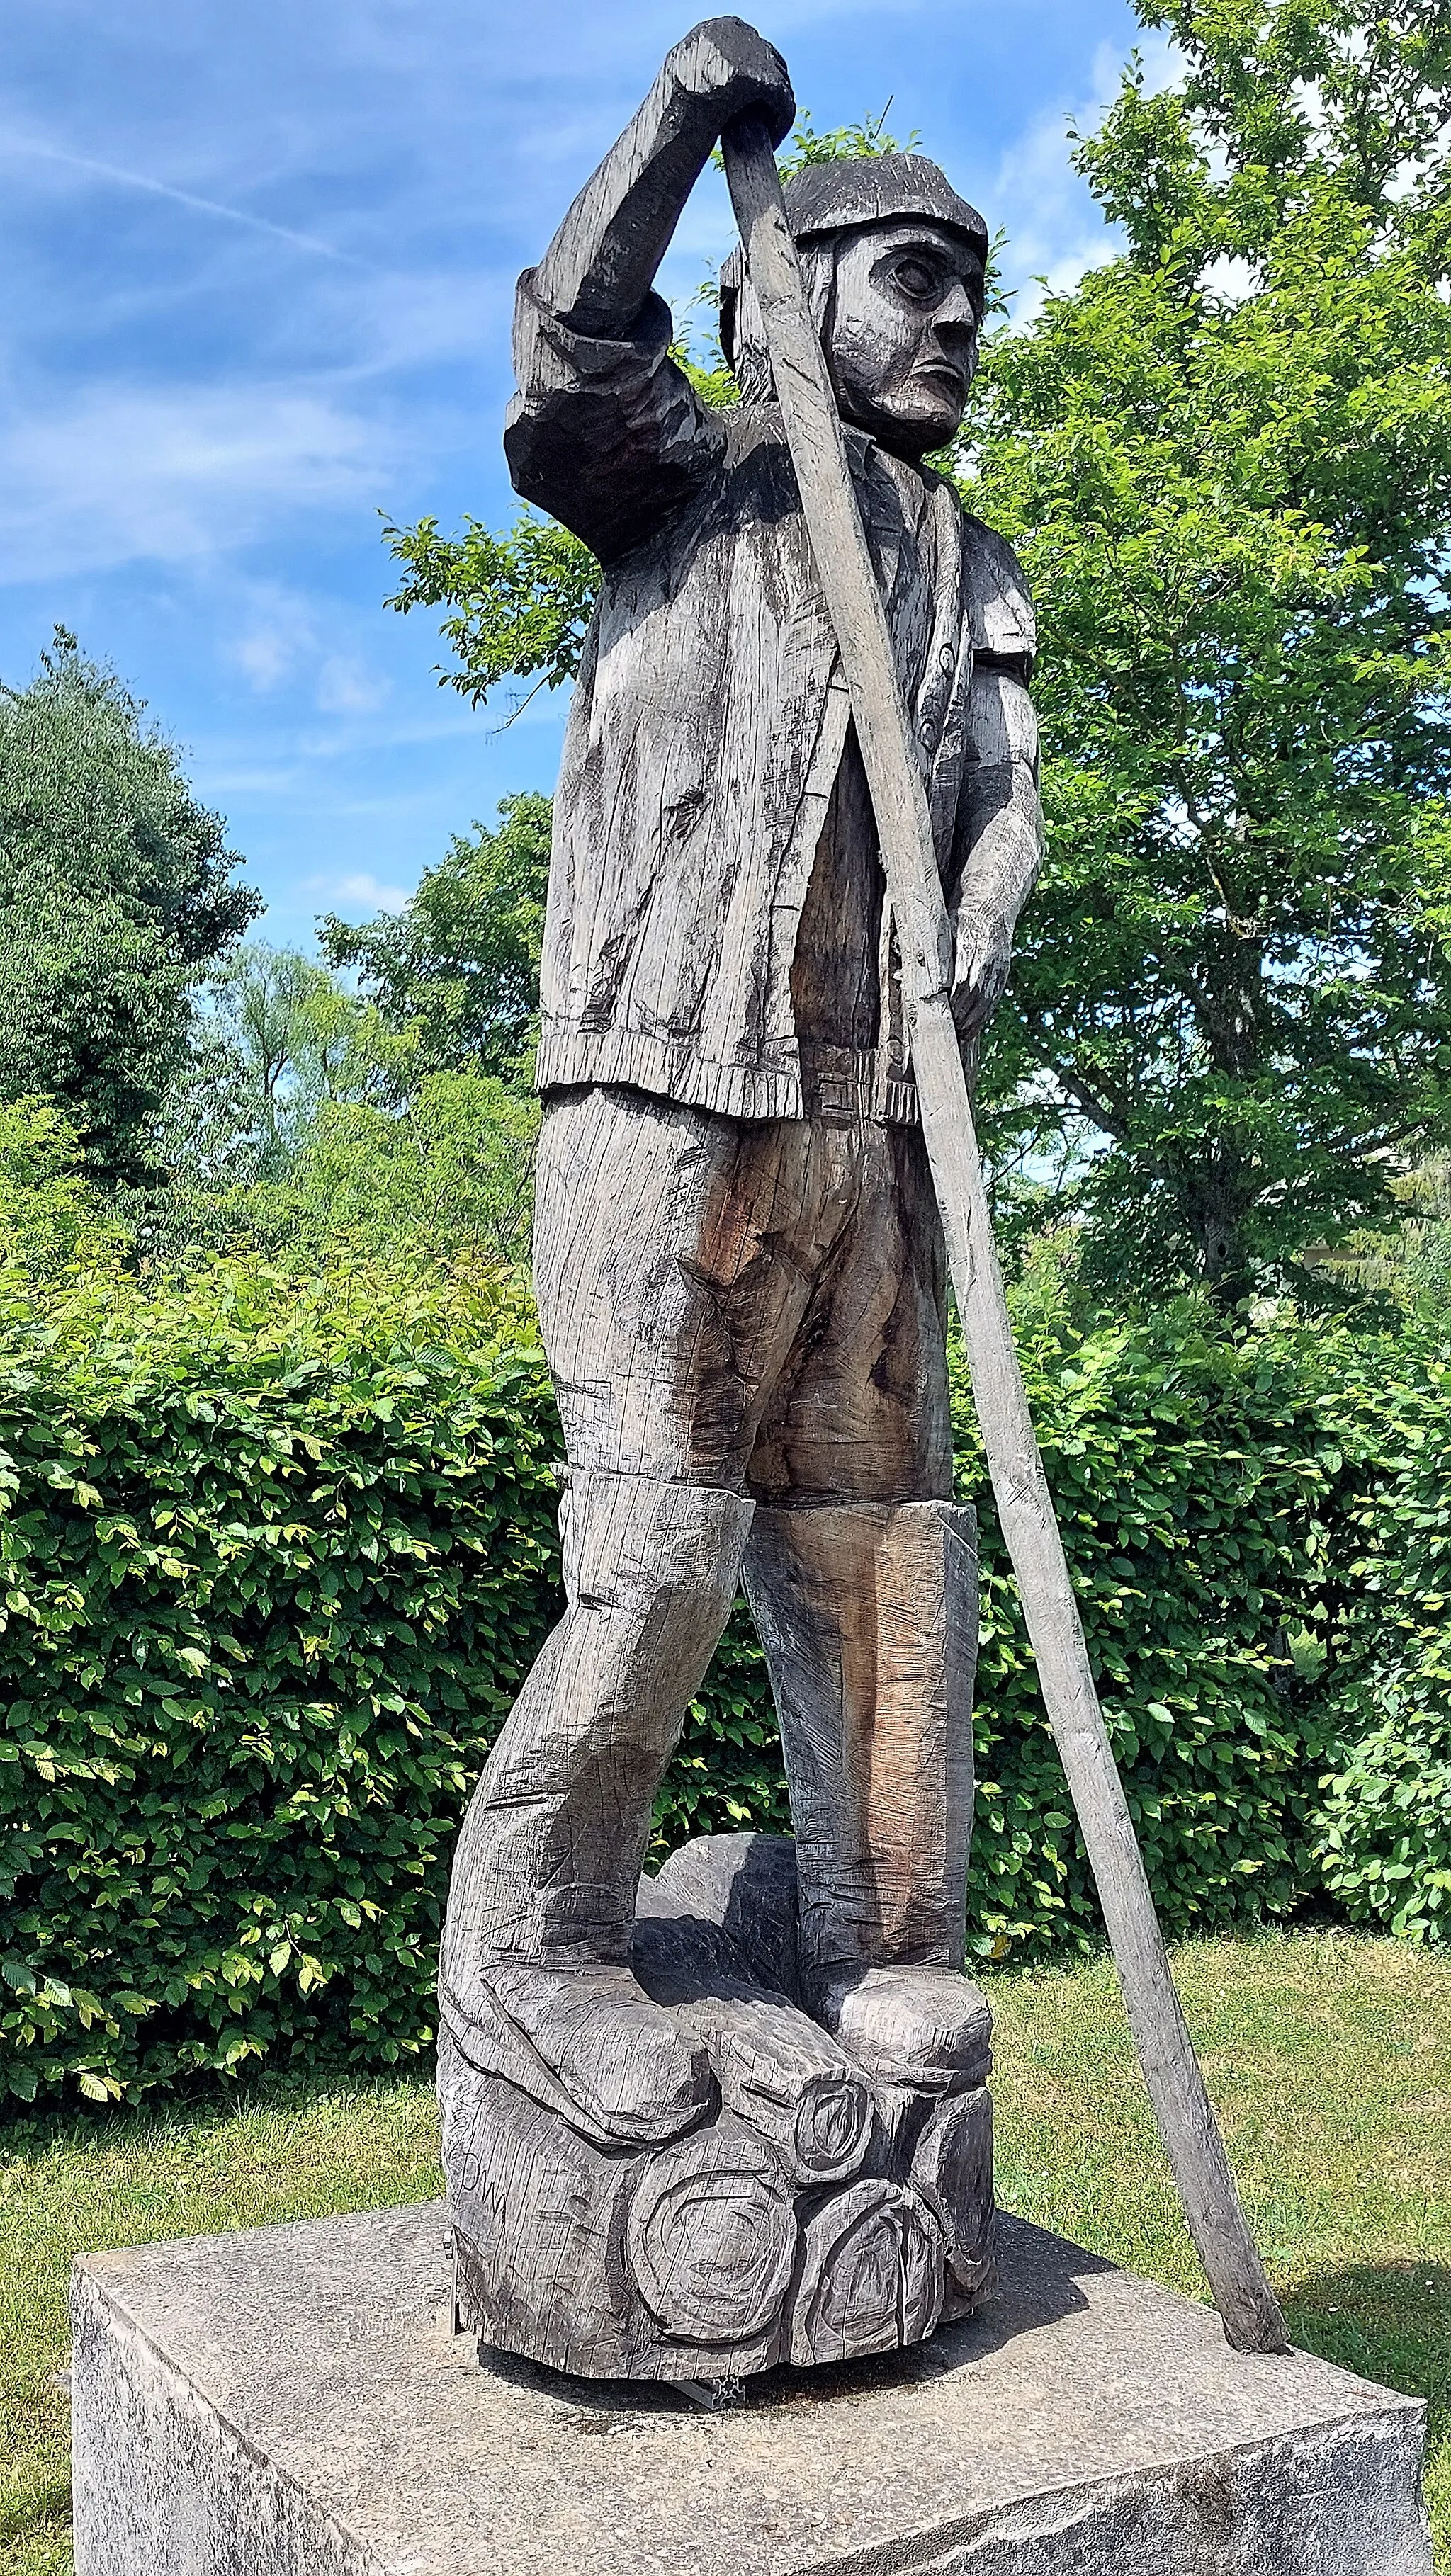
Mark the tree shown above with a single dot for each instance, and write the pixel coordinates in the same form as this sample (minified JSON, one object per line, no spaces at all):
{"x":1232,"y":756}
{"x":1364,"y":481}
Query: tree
{"x":117,"y":891}
{"x":52,"y":1218}
{"x":459,"y":966}
{"x":520,"y":602}
{"x":1226,"y":459}
{"x":298,"y":1039}
{"x":448,"y":1176}
{"x":276,"y":1040}
{"x":308,"y":1127}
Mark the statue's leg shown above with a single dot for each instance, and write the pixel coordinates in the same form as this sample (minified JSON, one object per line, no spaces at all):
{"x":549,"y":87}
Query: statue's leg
{"x":661,"y":1301}
{"x":548,"y":1864}
{"x":868,"y":1614}
{"x":862,"y":1577}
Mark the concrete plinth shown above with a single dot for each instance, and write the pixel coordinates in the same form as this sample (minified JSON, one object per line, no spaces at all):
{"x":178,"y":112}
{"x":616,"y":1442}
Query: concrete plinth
{"x":290,"y":2402}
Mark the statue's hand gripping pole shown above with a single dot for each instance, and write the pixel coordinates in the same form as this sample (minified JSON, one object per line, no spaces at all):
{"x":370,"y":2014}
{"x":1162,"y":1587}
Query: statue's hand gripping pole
{"x":1252,"y":2319}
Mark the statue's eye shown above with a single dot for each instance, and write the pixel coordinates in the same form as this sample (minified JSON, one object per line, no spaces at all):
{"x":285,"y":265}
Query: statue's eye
{"x":916,"y":279}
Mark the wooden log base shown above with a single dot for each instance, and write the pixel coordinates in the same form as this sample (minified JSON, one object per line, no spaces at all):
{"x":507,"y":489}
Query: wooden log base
{"x":589,"y":2044}
{"x":820,"y":2212}
{"x":871,"y":2278}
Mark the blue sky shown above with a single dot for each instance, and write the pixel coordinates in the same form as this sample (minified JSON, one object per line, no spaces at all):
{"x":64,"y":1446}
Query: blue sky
{"x":257,"y":291}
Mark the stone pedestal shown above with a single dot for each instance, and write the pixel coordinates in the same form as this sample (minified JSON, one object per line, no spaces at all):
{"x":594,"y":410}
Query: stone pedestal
{"x":291,"y":2402}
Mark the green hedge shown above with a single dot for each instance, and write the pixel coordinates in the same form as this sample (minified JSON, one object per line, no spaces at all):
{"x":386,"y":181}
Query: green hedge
{"x":274,"y":1564}
{"x":1383,"y":1832}
{"x":1203,"y":1488}
{"x":271,"y":1572}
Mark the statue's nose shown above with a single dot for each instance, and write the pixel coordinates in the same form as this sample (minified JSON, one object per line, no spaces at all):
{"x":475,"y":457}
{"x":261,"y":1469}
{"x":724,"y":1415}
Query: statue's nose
{"x":955,"y":313}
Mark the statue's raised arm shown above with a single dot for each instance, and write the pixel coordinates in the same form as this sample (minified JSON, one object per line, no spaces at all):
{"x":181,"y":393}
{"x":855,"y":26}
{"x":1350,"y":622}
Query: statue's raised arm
{"x":605,"y":432}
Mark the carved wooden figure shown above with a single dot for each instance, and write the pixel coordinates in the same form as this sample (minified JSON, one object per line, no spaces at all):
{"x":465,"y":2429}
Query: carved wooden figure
{"x":751,"y":2126}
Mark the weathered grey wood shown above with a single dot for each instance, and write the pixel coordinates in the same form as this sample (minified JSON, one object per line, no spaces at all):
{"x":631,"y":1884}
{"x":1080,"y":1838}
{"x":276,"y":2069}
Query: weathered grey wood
{"x":738,"y":1261}
{"x":539,"y":2215}
{"x":712,"y":2236}
{"x":914,"y":2024}
{"x":952,"y":2171}
{"x":1172,"y":2073}
{"x":534,"y":1980}
{"x":745,"y":1884}
{"x":868,"y":1615}
{"x":871,"y":2275}
{"x":809,"y":2213}
{"x":775,"y":2067}
{"x":605,"y":2263}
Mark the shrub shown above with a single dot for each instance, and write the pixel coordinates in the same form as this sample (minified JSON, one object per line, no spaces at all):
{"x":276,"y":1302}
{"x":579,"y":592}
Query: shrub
{"x":272,"y":1565}
{"x":1383,"y":1834}
{"x":1201,"y":1485}
{"x":275,"y":1559}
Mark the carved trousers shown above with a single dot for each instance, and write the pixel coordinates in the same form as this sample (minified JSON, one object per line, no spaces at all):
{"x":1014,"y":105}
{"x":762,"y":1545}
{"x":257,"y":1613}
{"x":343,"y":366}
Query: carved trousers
{"x":744,"y":1323}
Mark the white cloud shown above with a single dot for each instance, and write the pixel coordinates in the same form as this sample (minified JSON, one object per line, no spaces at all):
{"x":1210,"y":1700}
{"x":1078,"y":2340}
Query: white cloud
{"x":346,"y":687}
{"x":123,"y":475}
{"x":362,"y":892}
{"x":108,"y":171}
{"x":1230,"y":278}
{"x":279,"y":631}
{"x":1056,"y":230}
{"x":281,"y":647}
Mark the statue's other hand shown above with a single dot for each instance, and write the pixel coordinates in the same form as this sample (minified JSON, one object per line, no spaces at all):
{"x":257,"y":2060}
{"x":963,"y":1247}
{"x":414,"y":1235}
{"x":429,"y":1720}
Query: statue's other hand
{"x":983,"y":961}
{"x":732,"y":71}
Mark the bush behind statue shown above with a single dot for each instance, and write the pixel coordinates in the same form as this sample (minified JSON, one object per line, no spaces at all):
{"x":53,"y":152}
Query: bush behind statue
{"x":1383,"y":1830}
{"x":274,"y":1563}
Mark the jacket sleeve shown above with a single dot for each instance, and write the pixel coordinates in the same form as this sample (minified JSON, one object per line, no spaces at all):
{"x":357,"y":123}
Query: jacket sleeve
{"x":999,"y":844}
{"x":608,"y":436}
{"x":1003,"y":629}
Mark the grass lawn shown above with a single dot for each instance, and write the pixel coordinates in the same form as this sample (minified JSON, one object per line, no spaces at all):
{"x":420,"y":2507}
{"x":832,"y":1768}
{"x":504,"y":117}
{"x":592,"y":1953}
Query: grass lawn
{"x":1329,"y":2057}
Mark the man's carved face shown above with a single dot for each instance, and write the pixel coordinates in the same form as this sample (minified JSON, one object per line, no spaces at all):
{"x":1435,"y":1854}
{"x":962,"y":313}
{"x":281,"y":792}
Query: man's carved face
{"x":903,"y":341}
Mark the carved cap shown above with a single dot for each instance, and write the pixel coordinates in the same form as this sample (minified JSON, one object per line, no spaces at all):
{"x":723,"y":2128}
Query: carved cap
{"x":832,"y":196}
{"x":829,"y":197}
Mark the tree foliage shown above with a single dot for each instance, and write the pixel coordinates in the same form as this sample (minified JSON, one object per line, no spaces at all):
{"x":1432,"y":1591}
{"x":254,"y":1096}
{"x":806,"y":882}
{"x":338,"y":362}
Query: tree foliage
{"x":459,"y":965}
{"x":1226,"y":459}
{"x":53,"y":1218}
{"x":117,"y":892}
{"x":446,"y":1175}
{"x":519,"y":603}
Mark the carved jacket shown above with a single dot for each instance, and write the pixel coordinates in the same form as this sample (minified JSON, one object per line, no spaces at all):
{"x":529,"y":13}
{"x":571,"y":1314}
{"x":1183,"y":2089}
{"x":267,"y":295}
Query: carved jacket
{"x":710,"y":716}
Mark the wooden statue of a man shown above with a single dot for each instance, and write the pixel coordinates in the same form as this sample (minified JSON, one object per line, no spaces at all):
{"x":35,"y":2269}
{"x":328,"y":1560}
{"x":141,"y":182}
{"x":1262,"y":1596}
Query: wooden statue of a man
{"x":738,"y":1259}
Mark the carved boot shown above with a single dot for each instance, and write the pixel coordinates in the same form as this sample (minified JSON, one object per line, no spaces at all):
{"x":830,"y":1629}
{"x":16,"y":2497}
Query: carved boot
{"x":868,"y":1615}
{"x":534,"y":1983}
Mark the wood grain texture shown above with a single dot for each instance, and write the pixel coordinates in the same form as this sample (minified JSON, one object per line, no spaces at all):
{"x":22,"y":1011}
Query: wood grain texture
{"x":871,"y":2276}
{"x":711,"y":2236}
{"x":743,"y":1886}
{"x":868,"y":1617}
{"x":952,"y":2171}
{"x":775,"y":2067}
{"x":813,"y":2213}
{"x":848,"y":577}
{"x":741,"y":1289}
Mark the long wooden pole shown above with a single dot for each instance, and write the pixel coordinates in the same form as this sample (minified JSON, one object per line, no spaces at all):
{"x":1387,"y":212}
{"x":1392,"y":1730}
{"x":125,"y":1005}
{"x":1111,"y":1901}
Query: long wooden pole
{"x":1172,"y":2074}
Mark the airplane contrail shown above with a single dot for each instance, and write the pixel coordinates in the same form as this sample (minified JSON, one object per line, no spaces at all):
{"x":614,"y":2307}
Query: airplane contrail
{"x":181,"y":197}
